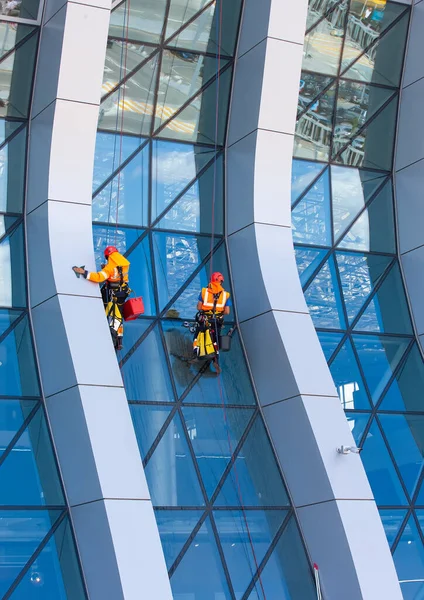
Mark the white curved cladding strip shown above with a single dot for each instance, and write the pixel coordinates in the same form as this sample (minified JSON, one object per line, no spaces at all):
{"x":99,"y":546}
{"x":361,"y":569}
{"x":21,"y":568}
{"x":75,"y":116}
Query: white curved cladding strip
{"x":409,"y":175}
{"x":331,"y":493}
{"x":99,"y":459}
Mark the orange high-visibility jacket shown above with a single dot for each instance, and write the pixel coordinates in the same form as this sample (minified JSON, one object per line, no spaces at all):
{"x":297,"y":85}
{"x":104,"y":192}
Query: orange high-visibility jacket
{"x":208,"y":300}
{"x":110,"y":271}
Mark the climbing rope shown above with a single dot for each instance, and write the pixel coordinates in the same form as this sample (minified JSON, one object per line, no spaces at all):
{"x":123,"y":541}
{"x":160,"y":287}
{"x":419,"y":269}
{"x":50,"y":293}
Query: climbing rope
{"x":317,"y":582}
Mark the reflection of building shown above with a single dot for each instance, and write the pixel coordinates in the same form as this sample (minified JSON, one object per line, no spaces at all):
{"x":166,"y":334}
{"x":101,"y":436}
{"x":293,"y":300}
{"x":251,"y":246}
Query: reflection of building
{"x":146,"y":466}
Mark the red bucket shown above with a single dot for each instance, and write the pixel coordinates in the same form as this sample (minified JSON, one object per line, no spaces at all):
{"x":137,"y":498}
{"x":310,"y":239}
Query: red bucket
{"x":133,"y":308}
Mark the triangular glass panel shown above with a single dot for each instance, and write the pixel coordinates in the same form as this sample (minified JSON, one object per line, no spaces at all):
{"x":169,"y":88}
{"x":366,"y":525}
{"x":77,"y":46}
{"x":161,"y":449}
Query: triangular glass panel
{"x":121,"y":237}
{"x":409,"y":561}
{"x":420,"y":516}
{"x":245,"y":539}
{"x":351,"y":189}
{"x":319,"y":57}
{"x":287,"y":573}
{"x":374,"y":230}
{"x":379,"y":357}
{"x":145,"y":373}
{"x":381,"y":473}
{"x":111,"y":151}
{"x":307,"y":260}
{"x":135,"y":20}
{"x":141,"y":276}
{"x":183,"y":11}
{"x":121,"y":58}
{"x":15,"y":99}
{"x":329,"y":342}
{"x":388,"y":310}
{"x":22,"y":531}
{"x":188,"y":579}
{"x":12,"y":416}
{"x":7,"y":318}
{"x":204,"y":119}
{"x":357,"y":424}
{"x":201,"y":208}
{"x":402,"y":394}
{"x":148,"y":420}
{"x":420,"y":498}
{"x":18,"y":375}
{"x":405,"y":434}
{"x":311,"y":87}
{"x":254,"y":479}
{"x":324,"y":299}
{"x":11,"y":35}
{"x":379,"y":63}
{"x":32,"y":457}
{"x":348,"y":380}
{"x":359,"y":274}
{"x":392,"y":520}
{"x":319,"y":10}
{"x":175,"y":166}
{"x":12,"y":158}
{"x":175,"y":527}
{"x":303,"y":174}
{"x":55,"y":573}
{"x":130,"y":108}
{"x":7,"y":224}
{"x":7,"y":127}
{"x":134,"y":330}
{"x":311,"y":217}
{"x":181,"y":487}
{"x":313,"y":129}
{"x":125,"y":199}
{"x":373,"y":147}
{"x":179,"y":344}
{"x":214,"y":435}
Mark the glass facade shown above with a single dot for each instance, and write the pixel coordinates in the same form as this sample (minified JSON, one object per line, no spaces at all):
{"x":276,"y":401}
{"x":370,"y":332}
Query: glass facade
{"x":38,"y":560}
{"x":345,"y":243}
{"x":227,"y":527}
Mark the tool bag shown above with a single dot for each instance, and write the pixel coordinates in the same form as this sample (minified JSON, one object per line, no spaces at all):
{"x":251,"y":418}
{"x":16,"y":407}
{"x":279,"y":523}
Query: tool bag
{"x":133,"y":308}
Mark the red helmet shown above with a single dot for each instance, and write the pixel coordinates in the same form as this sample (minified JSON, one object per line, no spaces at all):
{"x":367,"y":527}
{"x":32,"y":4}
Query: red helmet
{"x":217,"y":277}
{"x":110,"y":250}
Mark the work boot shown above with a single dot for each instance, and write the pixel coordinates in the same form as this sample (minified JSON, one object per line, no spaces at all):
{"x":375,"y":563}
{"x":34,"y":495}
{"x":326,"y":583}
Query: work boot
{"x":119,"y":343}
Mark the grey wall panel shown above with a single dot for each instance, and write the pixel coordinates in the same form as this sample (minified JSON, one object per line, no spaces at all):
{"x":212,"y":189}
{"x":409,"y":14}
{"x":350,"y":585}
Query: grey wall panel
{"x":294,"y":385}
{"x":112,"y":513}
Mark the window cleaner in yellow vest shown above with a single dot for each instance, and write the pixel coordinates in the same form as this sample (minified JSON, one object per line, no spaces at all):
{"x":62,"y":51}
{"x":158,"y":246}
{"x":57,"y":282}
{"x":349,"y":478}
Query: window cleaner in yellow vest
{"x":115,"y":289}
{"x":213,"y":303}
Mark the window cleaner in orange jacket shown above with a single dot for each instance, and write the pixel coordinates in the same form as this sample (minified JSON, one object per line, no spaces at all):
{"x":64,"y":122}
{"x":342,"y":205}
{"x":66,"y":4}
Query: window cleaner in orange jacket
{"x":213,"y":303}
{"x":115,"y":289}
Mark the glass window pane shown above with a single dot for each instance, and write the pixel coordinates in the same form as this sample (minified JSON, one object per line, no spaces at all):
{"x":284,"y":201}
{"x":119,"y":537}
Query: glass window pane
{"x":379,"y":357}
{"x":111,"y":151}
{"x":15,"y":91}
{"x":348,"y":380}
{"x":303,"y":174}
{"x":324,"y":299}
{"x":307,"y":260}
{"x":12,"y":269}
{"x":148,"y":421}
{"x":138,"y":20}
{"x":121,"y":59}
{"x":189,"y":580}
{"x":311,"y":217}
{"x":12,"y":34}
{"x":214,"y":435}
{"x":381,"y":473}
{"x":329,"y":342}
{"x":18,"y":376}
{"x":392,"y":520}
{"x":12,"y":415}
{"x":7,"y":318}
{"x":254,"y":479}
{"x":312,"y":86}
{"x":170,"y":472}
{"x":357,"y":424}
{"x":175,"y":527}
{"x":12,"y":169}
{"x":141,"y":276}
{"x":314,"y":128}
{"x":323,"y":45}
{"x":409,"y":562}
{"x":402,"y":394}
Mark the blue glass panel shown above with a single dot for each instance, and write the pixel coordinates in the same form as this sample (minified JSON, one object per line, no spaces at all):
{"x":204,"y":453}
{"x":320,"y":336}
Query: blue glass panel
{"x":329,"y":342}
{"x":133,"y":332}
{"x":234,"y":385}
{"x":359,"y":274}
{"x":144,"y":24}
{"x":381,"y":473}
{"x":307,"y":260}
{"x":348,"y":380}
{"x":402,"y":394}
{"x":179,"y":343}
{"x":311,"y":218}
{"x":351,"y":189}
{"x":324,"y":299}
{"x":170,"y":472}
{"x":388,"y":311}
{"x":12,"y":268}
{"x":254,"y":479}
{"x":175,"y":527}
{"x":405,"y":434}
{"x":111,"y":151}
{"x":18,"y":375}
{"x":287,"y":574}
{"x":357,"y":423}
{"x":121,"y":237}
{"x":409,"y":562}
{"x":379,"y":356}
{"x":125,"y":199}
{"x":12,"y":186}
{"x":392,"y":520}
{"x":32,"y":457}
{"x":245,"y":539}
{"x":214,"y":435}
{"x":303,"y":174}
{"x":188,"y":581}
{"x":55,"y":573}
{"x":148,"y":421}
{"x":12,"y":415}
{"x":314,"y":128}
{"x":201,"y":208}
{"x":141,"y":275}
{"x":21,"y":532}
{"x":7,"y":318}
{"x":145,"y":373}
